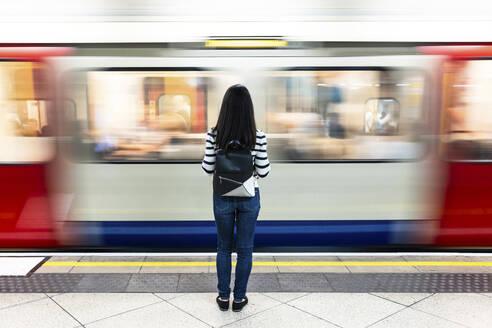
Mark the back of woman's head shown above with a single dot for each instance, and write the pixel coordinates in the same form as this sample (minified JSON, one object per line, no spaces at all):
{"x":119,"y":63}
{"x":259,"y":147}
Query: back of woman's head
{"x":236,"y":118}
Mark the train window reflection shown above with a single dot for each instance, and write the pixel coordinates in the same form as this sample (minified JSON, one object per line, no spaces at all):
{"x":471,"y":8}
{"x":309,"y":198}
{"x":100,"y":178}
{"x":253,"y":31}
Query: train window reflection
{"x":175,"y":109}
{"x":382,"y":116}
{"x":345,"y":114}
{"x":24,"y":113}
{"x":467,"y":127}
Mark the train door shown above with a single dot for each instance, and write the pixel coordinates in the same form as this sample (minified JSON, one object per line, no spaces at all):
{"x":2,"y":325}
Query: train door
{"x":466,"y":145}
{"x":27,"y":147}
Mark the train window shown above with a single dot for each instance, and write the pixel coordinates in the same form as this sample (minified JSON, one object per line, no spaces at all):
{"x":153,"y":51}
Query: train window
{"x":467,"y":118}
{"x":353,"y":114}
{"x":25,"y":129}
{"x":140,"y":115}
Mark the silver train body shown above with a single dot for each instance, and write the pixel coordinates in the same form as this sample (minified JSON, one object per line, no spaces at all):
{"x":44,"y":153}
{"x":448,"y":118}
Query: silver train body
{"x":349,"y":138}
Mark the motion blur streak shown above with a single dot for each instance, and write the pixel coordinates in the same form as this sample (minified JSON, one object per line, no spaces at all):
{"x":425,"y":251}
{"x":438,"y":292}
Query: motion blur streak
{"x":377,"y":121}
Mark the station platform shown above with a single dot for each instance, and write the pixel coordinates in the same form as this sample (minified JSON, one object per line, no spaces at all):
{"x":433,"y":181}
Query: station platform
{"x":284,"y":290}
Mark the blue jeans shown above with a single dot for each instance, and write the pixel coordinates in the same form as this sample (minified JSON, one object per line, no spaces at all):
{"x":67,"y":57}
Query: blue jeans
{"x":243,"y":212}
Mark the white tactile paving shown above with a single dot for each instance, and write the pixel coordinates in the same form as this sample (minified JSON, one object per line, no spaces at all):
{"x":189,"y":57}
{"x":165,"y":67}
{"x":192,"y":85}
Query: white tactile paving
{"x":415,"y":319}
{"x":403,"y":298}
{"x":283,"y":316}
{"x":39,"y":314}
{"x":10,"y":299}
{"x":204,"y":307}
{"x":89,"y":307}
{"x":347,"y":310}
{"x":472,"y":310}
{"x":156,"y":315}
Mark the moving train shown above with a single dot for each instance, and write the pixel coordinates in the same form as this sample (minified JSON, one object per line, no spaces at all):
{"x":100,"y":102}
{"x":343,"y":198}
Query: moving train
{"x":101,"y":147}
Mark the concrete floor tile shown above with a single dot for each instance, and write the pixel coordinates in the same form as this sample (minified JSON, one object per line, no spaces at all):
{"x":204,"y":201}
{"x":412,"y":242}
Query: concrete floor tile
{"x":64,"y":259}
{"x":89,"y":307}
{"x":168,"y":296}
{"x":155,"y":315}
{"x":112,"y":259}
{"x":373,"y":258}
{"x":10,"y":299}
{"x":39,"y":314}
{"x":263,"y":258}
{"x":431,"y":258}
{"x":264,"y":269}
{"x":472,"y":310}
{"x":285,"y":297}
{"x":174,"y":269}
{"x":282,"y":316}
{"x":480,"y":258}
{"x":105,"y":269}
{"x":347,"y":310}
{"x":54,"y":269}
{"x":415,"y":319}
{"x":454,"y":269}
{"x":305,"y":258}
{"x":403,"y":298}
{"x":382,"y":268}
{"x":204,"y":307}
{"x":306,"y":269}
{"x":378,"y":268}
{"x":458,"y":258}
{"x":179,"y":259}
{"x":213,"y":269}
{"x":255,"y":269}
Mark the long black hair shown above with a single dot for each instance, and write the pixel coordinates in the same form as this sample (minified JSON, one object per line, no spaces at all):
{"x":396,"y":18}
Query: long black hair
{"x":236,"y":118}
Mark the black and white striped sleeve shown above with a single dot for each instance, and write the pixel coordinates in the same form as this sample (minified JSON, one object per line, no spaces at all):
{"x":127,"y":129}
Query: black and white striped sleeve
{"x":262,"y":165}
{"x":208,"y":163}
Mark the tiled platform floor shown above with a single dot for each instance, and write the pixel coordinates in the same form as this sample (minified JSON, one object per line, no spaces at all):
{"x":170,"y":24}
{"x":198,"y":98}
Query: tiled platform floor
{"x":285,"y":310}
{"x":335,"y":295}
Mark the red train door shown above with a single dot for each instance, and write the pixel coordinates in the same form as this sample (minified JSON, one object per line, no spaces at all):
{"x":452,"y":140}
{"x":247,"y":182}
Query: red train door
{"x":466,"y":145}
{"x":27,"y":146}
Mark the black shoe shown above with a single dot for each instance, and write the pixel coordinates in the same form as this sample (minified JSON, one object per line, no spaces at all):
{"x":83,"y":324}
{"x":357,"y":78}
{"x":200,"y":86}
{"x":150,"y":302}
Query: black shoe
{"x":236,"y":307}
{"x":223,"y":305}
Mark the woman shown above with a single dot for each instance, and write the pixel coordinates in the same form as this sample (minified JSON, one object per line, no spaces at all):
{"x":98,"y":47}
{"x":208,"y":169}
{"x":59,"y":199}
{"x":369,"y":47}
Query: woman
{"x":236,"y":122}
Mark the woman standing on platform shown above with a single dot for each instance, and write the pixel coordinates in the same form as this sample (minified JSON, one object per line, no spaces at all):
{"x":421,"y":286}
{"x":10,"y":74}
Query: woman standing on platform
{"x":236,"y":122}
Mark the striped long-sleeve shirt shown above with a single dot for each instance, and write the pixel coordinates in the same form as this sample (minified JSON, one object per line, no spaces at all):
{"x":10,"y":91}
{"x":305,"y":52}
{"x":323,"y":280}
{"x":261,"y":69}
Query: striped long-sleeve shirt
{"x":259,"y":153}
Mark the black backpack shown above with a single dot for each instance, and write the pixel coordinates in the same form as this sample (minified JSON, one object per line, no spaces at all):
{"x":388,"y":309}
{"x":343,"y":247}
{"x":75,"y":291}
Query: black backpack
{"x":234,"y":171}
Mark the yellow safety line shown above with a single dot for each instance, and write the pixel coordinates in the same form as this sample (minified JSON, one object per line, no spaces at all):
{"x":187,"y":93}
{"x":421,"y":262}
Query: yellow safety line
{"x":282,"y":263}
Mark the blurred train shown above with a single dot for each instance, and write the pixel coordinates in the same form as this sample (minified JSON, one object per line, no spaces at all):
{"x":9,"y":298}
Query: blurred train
{"x":101,"y":147}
